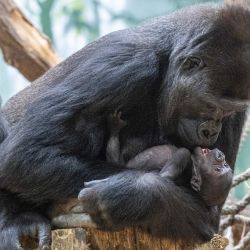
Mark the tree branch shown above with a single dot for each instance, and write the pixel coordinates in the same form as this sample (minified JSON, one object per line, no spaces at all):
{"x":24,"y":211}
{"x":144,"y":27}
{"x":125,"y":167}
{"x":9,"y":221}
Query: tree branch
{"x":23,"y":46}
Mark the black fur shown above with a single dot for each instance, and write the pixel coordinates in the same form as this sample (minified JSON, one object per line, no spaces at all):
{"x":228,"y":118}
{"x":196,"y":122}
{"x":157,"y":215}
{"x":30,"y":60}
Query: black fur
{"x":151,"y":73}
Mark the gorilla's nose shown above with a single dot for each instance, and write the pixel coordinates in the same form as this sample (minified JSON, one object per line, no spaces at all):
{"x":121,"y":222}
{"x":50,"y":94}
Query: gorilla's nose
{"x":209,"y":131}
{"x":208,"y":134}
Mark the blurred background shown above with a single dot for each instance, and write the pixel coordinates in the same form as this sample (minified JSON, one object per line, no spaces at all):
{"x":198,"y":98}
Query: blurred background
{"x":71,"y":24}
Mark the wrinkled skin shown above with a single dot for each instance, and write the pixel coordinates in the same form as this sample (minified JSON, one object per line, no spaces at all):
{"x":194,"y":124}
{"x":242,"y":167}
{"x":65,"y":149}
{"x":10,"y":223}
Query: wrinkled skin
{"x":182,"y":72}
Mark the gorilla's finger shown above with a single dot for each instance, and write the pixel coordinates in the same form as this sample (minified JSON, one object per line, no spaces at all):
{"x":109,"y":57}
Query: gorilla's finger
{"x":9,"y":239}
{"x":86,"y":194}
{"x":73,"y":220}
{"x":76,"y":209}
{"x":15,"y":245}
{"x":44,"y":236}
{"x":93,"y":183}
{"x":89,"y":199}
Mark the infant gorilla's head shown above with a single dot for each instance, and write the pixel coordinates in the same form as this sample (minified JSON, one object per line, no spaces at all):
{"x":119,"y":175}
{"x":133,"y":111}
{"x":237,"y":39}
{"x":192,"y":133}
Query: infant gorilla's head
{"x":216,"y":175}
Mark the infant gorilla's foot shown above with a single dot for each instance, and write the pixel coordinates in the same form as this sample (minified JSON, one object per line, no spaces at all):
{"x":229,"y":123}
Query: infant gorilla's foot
{"x":25,"y":224}
{"x":196,"y":182}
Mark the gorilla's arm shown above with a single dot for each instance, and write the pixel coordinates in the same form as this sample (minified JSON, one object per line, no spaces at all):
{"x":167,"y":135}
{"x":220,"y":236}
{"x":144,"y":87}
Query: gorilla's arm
{"x":55,"y":147}
{"x":151,"y":201}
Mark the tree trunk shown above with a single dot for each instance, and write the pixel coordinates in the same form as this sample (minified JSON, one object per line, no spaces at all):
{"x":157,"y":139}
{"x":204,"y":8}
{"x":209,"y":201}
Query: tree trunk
{"x":130,"y":239}
{"x":23,"y":46}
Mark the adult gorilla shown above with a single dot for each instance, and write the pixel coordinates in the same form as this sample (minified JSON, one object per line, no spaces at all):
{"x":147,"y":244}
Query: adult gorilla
{"x":174,"y":79}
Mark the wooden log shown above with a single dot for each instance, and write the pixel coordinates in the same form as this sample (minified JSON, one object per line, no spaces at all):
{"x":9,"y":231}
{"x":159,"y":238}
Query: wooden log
{"x":129,"y":239}
{"x":23,"y":46}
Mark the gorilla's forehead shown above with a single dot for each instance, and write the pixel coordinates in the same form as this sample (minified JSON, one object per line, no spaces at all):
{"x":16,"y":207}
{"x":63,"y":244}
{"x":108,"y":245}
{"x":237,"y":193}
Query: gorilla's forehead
{"x":215,"y":28}
{"x":221,"y":38}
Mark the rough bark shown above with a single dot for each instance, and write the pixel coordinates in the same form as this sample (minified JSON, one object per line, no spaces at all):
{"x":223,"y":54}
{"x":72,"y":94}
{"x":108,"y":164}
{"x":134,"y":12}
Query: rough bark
{"x":23,"y":46}
{"x":130,"y":239}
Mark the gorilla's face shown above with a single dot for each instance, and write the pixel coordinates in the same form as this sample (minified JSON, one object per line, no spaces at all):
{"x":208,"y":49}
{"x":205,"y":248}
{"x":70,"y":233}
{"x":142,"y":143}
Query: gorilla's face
{"x":206,"y":84}
{"x":201,"y":125}
{"x":198,"y":133}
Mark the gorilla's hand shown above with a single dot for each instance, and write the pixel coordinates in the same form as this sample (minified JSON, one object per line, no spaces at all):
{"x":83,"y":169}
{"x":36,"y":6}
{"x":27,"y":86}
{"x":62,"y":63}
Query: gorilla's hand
{"x":149,"y":200}
{"x":25,"y":224}
{"x":92,"y":200}
{"x":121,"y":200}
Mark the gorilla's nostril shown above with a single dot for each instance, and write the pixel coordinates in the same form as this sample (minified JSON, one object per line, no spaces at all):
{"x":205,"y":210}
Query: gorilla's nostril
{"x":214,"y":134}
{"x":206,"y":133}
{"x":217,"y":122}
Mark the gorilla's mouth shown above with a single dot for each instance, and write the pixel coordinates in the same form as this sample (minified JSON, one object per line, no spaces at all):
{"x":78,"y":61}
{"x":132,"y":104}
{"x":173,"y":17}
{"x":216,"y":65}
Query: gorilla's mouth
{"x":205,"y":151}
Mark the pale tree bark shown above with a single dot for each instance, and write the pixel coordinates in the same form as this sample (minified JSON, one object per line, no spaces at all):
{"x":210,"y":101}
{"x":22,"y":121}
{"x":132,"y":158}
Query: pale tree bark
{"x":133,"y":239}
{"x":23,"y":46}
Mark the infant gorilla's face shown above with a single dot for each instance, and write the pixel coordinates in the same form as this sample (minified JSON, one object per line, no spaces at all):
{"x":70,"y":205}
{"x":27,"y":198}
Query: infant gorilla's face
{"x":216,"y":175}
{"x":212,"y":161}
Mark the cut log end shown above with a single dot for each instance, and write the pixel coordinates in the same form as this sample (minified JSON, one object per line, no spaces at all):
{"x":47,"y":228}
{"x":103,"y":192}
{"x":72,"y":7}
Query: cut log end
{"x":130,"y":239}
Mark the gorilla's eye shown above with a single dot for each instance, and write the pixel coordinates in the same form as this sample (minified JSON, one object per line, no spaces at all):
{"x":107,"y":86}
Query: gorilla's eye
{"x":210,"y":108}
{"x":192,"y":63}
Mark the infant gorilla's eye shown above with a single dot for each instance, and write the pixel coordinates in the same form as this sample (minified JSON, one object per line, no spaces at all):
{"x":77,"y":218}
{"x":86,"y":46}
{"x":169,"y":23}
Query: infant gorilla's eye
{"x":210,"y":108}
{"x":192,"y":62}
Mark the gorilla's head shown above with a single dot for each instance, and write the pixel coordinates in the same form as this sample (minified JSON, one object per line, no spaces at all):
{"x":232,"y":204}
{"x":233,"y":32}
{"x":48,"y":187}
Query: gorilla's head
{"x":208,"y":73}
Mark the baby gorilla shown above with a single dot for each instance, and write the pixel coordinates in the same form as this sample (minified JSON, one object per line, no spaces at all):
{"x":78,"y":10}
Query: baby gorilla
{"x":209,"y":173}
